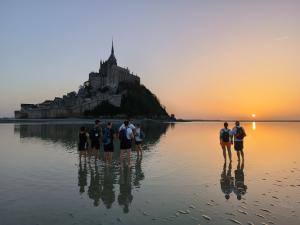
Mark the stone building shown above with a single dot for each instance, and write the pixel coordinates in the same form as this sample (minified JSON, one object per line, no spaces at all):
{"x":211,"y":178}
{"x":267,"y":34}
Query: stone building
{"x":101,"y":86}
{"x":110,"y":74}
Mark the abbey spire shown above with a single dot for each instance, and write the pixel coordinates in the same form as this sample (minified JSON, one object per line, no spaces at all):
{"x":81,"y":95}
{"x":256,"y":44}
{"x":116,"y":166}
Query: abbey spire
{"x":112,"y":59}
{"x":112,"y":48}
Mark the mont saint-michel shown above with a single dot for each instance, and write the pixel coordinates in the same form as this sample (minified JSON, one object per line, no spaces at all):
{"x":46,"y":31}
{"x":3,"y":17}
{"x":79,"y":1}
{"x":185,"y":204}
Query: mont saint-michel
{"x":112,"y":91}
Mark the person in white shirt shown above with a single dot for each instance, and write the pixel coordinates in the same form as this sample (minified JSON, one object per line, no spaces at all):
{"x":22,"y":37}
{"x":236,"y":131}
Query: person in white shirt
{"x":139,"y":136}
{"x":226,"y":141}
{"x":130,"y":125}
{"x":126,"y":136}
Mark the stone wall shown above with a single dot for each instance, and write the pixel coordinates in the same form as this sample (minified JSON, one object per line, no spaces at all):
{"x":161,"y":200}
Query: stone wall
{"x":77,"y":110}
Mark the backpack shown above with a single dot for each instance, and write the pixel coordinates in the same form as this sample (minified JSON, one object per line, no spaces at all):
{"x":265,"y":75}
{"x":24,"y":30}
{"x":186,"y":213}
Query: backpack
{"x":122,"y":135}
{"x":142,"y":135}
{"x":225,"y":135}
{"x":106,"y":136}
{"x":240,"y":134}
{"x":93,"y":133}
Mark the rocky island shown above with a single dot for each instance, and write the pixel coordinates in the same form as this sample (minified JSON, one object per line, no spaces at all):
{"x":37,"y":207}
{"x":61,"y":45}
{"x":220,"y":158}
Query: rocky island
{"x":112,"y":91}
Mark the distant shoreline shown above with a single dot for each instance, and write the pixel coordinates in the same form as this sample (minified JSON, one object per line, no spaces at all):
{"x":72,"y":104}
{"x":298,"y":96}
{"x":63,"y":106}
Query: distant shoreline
{"x":247,"y":121}
{"x":119,"y":120}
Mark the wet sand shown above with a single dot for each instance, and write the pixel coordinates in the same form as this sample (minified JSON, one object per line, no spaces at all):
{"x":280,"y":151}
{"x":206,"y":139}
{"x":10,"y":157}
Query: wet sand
{"x":181,"y":179}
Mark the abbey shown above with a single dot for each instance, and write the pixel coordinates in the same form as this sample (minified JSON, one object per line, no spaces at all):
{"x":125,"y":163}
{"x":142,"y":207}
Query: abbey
{"x":101,"y":86}
{"x":110,"y":74}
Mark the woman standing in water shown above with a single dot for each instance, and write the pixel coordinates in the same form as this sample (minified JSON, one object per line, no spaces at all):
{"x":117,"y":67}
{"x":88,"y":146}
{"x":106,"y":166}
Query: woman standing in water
{"x":226,"y":140}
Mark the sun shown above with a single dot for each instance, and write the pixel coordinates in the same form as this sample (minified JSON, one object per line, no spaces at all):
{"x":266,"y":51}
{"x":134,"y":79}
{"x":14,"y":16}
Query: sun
{"x":253,"y":115}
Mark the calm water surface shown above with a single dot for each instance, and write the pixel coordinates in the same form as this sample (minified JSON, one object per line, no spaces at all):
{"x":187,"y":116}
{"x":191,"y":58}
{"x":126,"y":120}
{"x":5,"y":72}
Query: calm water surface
{"x":181,"y":179}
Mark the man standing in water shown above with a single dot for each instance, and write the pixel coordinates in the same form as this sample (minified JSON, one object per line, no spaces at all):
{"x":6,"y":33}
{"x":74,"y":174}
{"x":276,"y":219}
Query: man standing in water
{"x":126,"y":136}
{"x":108,"y":142}
{"x":238,"y":133}
{"x":95,"y":136}
{"x":226,"y":140}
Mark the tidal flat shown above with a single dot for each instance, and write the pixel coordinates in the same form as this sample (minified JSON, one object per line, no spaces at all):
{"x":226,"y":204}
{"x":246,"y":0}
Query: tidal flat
{"x":181,"y":179}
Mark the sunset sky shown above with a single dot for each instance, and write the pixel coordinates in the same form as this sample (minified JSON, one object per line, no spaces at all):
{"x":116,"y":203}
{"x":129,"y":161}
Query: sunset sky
{"x":203,"y":59}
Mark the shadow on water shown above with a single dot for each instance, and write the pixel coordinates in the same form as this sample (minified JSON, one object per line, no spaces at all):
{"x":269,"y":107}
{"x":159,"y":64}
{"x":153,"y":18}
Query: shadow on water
{"x":102,"y":183}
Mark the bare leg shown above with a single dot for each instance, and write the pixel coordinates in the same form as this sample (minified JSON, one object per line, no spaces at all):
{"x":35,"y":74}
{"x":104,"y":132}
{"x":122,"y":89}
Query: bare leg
{"x":121,"y":157}
{"x":238,"y":155}
{"x":139,"y":150}
{"x":128,"y":157}
{"x":229,"y":152}
{"x":110,"y":157}
{"x":224,"y":152}
{"x":242,"y":153}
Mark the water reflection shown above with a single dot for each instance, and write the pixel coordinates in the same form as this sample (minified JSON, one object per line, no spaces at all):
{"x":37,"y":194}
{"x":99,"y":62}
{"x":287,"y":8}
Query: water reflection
{"x":102,"y":183}
{"x":253,"y":125}
{"x":67,"y":134}
{"x":103,"y":179}
{"x":227,"y":180}
{"x":234,"y":184}
{"x":240,"y":187}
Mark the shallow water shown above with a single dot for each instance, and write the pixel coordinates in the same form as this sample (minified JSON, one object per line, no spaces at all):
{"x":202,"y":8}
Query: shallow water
{"x":181,"y":178}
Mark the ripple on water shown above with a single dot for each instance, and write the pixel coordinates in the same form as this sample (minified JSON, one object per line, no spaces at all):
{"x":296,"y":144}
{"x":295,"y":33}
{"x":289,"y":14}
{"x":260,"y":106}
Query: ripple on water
{"x":234,"y":221}
{"x":206,"y":217}
{"x":242,"y":211}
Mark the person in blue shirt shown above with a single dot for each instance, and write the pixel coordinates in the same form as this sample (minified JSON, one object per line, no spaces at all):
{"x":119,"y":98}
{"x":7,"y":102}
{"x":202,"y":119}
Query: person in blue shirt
{"x":226,"y":140}
{"x":108,"y":142}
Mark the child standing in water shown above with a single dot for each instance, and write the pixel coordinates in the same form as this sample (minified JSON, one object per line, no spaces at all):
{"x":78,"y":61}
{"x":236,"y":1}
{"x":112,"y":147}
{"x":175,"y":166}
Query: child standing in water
{"x":82,"y":144}
{"x":226,"y":140}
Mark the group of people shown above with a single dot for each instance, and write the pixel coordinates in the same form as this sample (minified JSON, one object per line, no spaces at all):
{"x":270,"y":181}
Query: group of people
{"x":128,"y":134}
{"x":233,"y":137}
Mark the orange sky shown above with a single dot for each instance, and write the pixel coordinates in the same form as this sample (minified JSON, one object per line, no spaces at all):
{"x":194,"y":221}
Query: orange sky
{"x":202,"y":59}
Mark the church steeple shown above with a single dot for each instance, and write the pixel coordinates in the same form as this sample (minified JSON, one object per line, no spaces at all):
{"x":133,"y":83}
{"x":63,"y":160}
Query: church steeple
{"x":112,"y":59}
{"x":112,"y":48}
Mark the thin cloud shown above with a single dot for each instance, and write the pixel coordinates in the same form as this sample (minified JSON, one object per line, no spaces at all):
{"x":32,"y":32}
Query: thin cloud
{"x":282,"y":38}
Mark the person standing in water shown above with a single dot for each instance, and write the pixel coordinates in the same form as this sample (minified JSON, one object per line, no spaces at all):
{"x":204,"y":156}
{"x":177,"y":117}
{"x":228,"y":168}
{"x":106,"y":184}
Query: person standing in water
{"x":126,"y":136}
{"x":139,"y":136}
{"x":83,"y":143}
{"x":95,"y":136}
{"x":226,"y":140}
{"x":238,"y":133}
{"x":108,"y":142}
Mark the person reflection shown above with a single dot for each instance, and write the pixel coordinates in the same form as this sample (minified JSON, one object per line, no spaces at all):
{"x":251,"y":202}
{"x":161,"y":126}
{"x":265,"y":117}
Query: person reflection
{"x":95,"y":187}
{"x":108,"y":193}
{"x":139,"y":174}
{"x":227,"y":181}
{"x":82,"y":172}
{"x":125,"y":196}
{"x":239,"y":187}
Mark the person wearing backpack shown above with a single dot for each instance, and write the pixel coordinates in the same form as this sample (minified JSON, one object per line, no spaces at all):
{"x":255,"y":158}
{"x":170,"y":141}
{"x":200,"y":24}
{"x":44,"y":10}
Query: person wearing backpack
{"x":139,"y":136}
{"x":126,"y":136}
{"x":95,"y":135}
{"x":239,"y":134}
{"x":108,"y":142}
{"x":226,"y":140}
